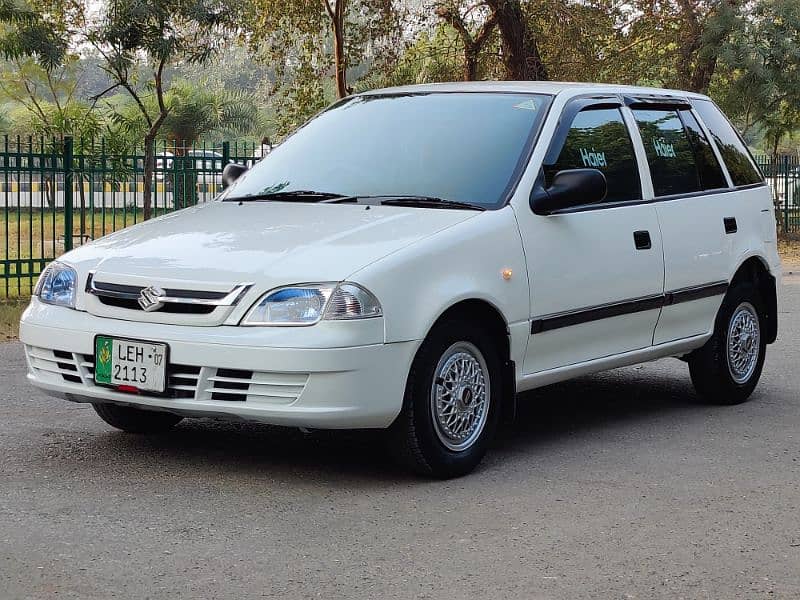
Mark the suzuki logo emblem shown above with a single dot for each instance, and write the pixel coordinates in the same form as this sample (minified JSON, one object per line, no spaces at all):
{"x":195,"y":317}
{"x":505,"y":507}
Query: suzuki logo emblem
{"x":151,"y":298}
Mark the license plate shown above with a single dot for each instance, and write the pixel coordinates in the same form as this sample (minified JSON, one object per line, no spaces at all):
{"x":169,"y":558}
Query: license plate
{"x":131,"y":365}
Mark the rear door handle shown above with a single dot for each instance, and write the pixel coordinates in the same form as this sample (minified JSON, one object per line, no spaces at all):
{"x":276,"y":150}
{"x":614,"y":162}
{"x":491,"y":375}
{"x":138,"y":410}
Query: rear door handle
{"x":641,"y":239}
{"x":730,"y":225}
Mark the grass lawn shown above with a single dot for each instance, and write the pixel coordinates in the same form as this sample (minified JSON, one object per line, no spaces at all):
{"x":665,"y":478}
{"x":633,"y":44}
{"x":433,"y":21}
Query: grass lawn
{"x":9,"y":319}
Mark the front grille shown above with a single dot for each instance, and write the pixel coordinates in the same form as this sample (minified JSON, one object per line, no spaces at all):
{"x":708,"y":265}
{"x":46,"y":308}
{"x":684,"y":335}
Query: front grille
{"x":184,"y":382}
{"x":191,"y":309}
{"x":171,"y":300}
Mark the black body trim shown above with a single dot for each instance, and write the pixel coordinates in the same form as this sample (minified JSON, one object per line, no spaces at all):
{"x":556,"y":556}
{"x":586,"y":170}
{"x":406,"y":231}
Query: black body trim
{"x":695,"y":293}
{"x":617,"y":309}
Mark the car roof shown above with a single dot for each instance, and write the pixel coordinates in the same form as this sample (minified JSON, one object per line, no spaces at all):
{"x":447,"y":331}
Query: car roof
{"x":538,"y":87}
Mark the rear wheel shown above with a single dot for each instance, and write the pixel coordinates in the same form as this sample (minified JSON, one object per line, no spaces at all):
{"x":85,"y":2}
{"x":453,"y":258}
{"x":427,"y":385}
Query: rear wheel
{"x":727,"y":369}
{"x":452,"y":402}
{"x":136,"y":420}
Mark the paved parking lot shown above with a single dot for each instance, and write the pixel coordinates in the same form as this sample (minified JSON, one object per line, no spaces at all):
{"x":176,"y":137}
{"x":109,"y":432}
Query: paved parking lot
{"x":612,"y":486}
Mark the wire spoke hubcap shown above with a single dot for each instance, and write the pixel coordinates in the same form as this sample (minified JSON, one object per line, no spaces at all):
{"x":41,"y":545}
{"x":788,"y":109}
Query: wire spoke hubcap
{"x":460,"y":396}
{"x":744,"y":342}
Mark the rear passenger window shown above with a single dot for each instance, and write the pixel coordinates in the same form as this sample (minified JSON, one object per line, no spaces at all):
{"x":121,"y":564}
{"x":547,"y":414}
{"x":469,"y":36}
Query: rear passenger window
{"x":711,"y":176}
{"x":599,"y":139}
{"x":730,"y":145}
{"x":669,"y":153}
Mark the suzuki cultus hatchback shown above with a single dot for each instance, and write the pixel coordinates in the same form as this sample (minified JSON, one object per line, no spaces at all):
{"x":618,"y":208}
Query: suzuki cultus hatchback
{"x":412,"y":258}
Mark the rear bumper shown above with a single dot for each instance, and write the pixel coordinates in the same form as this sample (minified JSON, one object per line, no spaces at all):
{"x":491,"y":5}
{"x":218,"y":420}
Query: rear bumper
{"x":327,"y":388}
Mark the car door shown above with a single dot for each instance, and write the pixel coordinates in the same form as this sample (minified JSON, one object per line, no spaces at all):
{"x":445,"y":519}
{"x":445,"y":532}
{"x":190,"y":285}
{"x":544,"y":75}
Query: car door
{"x":695,"y":214}
{"x":595,"y":271}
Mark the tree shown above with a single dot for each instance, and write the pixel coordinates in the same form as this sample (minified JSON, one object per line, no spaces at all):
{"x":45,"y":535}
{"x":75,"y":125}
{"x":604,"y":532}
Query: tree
{"x":462,"y":20}
{"x":138,"y":39}
{"x":762,"y":59}
{"x":37,"y":29}
{"x":311,"y":43}
{"x":676,"y":43}
{"x":520,"y":49}
{"x":520,"y":46}
{"x":48,"y":97}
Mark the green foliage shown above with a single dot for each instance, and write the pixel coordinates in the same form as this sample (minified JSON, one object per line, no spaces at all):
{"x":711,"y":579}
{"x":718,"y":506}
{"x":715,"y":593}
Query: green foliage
{"x":761,"y":87}
{"x":36,"y":28}
{"x":45,"y":100}
{"x":193,"y":111}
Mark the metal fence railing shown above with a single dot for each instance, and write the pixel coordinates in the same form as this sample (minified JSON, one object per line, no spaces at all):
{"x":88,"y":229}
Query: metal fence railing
{"x":56,"y":194}
{"x":783,"y":176}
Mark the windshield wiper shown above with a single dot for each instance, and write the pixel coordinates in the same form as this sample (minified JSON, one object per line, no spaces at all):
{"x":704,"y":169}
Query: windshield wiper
{"x":333,"y":198}
{"x":290,"y":196}
{"x":426,"y":202}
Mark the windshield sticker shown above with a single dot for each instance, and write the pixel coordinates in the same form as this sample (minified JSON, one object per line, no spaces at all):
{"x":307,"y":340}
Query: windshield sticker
{"x":663,"y":148}
{"x":593,"y":158}
{"x":527,"y":105}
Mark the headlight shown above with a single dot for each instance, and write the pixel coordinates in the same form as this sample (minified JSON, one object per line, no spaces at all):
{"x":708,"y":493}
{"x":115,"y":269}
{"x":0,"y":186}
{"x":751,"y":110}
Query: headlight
{"x":309,"y":303}
{"x":57,"y":285}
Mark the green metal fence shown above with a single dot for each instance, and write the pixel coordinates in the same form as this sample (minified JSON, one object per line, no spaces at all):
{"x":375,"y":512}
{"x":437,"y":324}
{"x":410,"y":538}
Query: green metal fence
{"x":56,"y":194}
{"x":783,"y":176}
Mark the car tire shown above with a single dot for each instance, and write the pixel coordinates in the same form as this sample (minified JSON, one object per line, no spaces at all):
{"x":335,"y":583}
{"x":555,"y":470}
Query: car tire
{"x":136,"y":420}
{"x":451,"y":405}
{"x":727,"y":368}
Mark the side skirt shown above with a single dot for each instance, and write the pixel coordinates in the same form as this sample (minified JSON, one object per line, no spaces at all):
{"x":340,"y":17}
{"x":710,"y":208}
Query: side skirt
{"x":675,"y":348}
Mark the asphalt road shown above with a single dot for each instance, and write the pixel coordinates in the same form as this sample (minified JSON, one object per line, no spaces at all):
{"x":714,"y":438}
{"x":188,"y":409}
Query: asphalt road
{"x":612,"y":486}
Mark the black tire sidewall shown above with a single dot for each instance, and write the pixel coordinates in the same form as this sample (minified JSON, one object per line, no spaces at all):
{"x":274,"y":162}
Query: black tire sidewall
{"x":442,"y":461}
{"x":709,"y":368}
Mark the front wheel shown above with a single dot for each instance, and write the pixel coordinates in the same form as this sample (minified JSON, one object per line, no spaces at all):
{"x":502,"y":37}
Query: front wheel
{"x":136,"y":420}
{"x":452,"y":402}
{"x":726,"y":370}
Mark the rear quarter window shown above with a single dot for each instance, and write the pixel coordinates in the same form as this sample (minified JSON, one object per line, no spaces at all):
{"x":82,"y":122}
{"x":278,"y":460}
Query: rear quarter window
{"x":730,"y":145}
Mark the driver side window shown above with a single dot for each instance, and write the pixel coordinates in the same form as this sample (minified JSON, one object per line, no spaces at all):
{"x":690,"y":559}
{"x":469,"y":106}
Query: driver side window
{"x":599,"y":139}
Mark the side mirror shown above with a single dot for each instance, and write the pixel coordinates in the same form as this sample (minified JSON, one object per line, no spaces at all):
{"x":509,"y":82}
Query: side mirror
{"x":573,"y":187}
{"x":231,"y":173}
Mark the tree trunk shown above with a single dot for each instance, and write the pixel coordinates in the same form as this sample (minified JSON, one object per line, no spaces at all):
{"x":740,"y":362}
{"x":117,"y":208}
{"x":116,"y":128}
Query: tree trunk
{"x":472,"y":44}
{"x":520,"y":49}
{"x":339,"y":57}
{"x":149,"y":158}
{"x":149,"y":169}
{"x":470,"y":63}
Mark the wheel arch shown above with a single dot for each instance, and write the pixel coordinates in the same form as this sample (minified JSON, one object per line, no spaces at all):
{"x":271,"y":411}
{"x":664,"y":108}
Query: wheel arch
{"x":756,"y":270}
{"x":492,"y":318}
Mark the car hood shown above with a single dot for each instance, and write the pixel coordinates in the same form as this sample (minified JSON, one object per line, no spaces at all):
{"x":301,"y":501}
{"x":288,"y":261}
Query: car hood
{"x":264,"y":243}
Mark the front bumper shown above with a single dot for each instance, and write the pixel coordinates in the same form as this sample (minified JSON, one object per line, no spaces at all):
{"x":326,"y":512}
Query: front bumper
{"x":351,"y":387}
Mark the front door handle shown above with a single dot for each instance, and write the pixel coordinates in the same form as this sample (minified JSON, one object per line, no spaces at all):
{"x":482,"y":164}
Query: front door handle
{"x":641,"y":239}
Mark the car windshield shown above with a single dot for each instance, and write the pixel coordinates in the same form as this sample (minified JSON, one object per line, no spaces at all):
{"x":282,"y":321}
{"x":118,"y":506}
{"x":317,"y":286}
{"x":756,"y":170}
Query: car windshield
{"x":460,"y":147}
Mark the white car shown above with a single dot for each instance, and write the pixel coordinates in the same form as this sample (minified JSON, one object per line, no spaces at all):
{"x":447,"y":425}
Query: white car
{"x":413,"y":257}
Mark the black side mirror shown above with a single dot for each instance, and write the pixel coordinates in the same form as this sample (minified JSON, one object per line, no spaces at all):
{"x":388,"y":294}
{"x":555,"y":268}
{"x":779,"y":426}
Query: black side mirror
{"x":231,"y":173}
{"x":572,"y":187}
